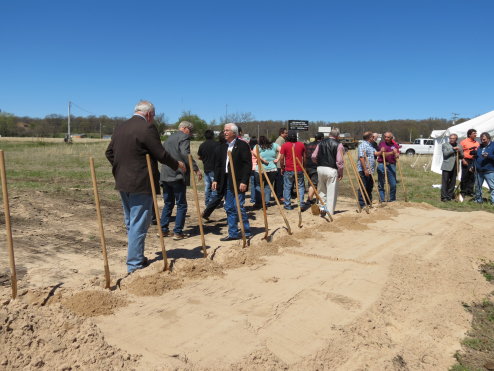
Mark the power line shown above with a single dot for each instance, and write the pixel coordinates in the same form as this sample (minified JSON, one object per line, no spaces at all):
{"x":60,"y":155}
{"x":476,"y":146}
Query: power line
{"x":83,"y":109}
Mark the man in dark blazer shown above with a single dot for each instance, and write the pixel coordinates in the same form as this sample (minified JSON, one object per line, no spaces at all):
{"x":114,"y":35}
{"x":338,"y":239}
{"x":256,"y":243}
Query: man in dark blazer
{"x":242,"y":164}
{"x":131,"y":141}
{"x":450,"y":167}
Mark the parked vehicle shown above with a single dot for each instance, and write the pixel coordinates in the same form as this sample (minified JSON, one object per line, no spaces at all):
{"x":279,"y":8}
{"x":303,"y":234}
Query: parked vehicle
{"x":347,"y":141}
{"x":420,"y":146}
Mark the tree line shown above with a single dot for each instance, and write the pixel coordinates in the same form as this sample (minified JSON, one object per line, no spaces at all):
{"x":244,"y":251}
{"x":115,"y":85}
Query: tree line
{"x":55,"y":126}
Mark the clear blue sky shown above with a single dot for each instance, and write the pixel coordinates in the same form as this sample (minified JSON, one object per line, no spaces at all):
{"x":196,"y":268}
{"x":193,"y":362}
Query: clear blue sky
{"x":316,"y":60}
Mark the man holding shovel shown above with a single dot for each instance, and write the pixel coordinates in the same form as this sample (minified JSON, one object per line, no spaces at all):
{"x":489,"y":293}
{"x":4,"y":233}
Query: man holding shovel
{"x":388,"y":149}
{"x":223,"y":177}
{"x":451,"y":153}
{"x":131,"y":141}
{"x":365,"y":165}
{"x":329,"y":158}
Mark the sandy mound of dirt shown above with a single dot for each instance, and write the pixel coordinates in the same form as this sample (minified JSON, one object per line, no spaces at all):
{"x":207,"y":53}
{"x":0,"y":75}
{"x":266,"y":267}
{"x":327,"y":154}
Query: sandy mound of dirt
{"x":260,"y":359}
{"x":253,"y":254}
{"x":94,"y":303}
{"x":142,"y":284}
{"x":53,"y":338}
{"x":152,"y":285}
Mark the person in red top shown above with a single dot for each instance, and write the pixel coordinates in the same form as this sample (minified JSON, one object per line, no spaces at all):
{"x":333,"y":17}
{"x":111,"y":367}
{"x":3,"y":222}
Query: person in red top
{"x":467,"y":175}
{"x":286,"y":160}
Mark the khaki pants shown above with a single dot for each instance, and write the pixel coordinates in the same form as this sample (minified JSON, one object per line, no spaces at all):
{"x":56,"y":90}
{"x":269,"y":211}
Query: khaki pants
{"x":328,"y":186}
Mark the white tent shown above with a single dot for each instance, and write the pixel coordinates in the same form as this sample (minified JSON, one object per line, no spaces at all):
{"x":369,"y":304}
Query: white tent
{"x":483,"y":123}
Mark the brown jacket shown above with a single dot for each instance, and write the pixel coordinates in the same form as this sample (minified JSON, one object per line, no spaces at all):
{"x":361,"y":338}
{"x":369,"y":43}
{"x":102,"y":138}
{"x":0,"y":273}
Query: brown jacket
{"x":130,"y":142}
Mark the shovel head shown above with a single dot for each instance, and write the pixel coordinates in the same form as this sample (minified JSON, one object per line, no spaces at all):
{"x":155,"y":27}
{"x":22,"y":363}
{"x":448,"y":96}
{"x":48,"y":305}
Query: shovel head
{"x":315,"y":209}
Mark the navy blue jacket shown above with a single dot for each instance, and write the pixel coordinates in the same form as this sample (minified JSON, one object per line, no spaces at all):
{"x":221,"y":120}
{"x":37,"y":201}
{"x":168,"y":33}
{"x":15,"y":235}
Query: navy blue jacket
{"x":485,"y":164}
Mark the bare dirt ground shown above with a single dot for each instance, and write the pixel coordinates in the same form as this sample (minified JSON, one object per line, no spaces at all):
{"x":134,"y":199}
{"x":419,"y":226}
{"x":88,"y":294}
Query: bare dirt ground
{"x":378,"y":291}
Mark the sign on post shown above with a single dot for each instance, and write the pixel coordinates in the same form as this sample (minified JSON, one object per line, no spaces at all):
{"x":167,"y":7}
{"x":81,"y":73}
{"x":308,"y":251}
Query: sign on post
{"x":301,"y":125}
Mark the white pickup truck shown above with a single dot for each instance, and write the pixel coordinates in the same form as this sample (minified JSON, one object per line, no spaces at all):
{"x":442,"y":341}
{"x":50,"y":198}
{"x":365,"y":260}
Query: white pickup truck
{"x":421,"y":146}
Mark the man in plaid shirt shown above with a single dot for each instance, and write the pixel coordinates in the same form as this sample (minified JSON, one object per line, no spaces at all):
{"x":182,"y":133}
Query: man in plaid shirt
{"x":365,"y":165}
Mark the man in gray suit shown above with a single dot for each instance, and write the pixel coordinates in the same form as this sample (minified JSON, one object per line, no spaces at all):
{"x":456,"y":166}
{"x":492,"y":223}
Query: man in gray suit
{"x":449,"y":167}
{"x":175,"y":182}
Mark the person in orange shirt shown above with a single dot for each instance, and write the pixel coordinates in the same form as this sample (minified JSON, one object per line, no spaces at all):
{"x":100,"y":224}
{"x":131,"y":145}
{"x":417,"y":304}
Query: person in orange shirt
{"x":467,"y":172}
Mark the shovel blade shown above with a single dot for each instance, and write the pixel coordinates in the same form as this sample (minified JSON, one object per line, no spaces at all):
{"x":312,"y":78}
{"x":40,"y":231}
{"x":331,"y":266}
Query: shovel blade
{"x":315,"y":209}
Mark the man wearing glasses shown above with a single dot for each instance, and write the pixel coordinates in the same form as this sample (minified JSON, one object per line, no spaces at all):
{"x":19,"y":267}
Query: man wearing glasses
{"x":131,"y":141}
{"x":390,"y":150}
{"x":175,"y":182}
{"x":242,"y":164}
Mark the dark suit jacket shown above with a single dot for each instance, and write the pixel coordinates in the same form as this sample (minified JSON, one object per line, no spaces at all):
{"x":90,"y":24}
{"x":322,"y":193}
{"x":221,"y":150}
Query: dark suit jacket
{"x":130,"y":142}
{"x":242,"y":163}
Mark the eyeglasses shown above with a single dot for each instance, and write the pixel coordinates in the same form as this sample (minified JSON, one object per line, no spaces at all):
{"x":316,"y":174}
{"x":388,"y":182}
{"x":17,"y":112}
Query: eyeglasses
{"x":227,"y":130}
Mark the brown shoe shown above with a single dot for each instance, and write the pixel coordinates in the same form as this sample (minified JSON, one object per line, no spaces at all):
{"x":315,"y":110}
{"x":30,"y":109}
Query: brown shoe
{"x":165,"y":234}
{"x":180,"y":236}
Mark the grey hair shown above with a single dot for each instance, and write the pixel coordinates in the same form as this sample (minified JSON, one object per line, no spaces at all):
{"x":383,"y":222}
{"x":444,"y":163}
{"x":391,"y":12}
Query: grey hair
{"x":233,"y":127}
{"x":185,"y":124}
{"x":453,"y":134}
{"x":334,"y":133}
{"x":144,"y":106}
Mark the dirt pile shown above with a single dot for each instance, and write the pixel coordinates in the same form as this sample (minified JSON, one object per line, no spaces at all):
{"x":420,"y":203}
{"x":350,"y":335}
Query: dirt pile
{"x":94,"y":303}
{"x":54,"y":338}
{"x":145,"y":284}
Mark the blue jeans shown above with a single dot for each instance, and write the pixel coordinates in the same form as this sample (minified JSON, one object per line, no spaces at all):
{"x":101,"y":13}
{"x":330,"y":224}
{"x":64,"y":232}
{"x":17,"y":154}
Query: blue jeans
{"x":137,"y":215}
{"x":278,"y":184}
{"x":255,"y":197}
{"x":391,"y":170}
{"x":489,"y":178}
{"x":232,"y":214}
{"x":267,"y":190}
{"x":288,"y":180}
{"x":368,"y":185}
{"x":209,"y":194}
{"x":174,"y":192}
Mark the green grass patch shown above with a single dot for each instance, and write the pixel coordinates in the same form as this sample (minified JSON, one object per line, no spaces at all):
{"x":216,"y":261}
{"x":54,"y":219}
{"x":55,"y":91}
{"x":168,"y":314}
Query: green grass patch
{"x":478,"y":346}
{"x":487,"y":270}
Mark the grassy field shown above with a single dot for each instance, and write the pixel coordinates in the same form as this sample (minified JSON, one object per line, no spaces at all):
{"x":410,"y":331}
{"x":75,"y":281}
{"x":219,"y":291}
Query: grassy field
{"x":55,"y":167}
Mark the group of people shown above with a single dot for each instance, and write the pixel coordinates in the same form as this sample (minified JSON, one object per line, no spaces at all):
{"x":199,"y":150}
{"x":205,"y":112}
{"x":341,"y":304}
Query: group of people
{"x":322,"y":159}
{"x":477,"y":166}
{"x":282,"y":161}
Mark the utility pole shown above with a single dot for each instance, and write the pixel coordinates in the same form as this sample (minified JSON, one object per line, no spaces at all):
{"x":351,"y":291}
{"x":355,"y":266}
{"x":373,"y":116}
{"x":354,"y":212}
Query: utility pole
{"x":226,"y":113}
{"x":454,"y":117}
{"x":68,"y":124}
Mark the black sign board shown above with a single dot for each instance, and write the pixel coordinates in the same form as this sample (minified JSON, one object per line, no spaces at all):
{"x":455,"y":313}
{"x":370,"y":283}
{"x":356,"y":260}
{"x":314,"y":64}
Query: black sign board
{"x":302,"y":125}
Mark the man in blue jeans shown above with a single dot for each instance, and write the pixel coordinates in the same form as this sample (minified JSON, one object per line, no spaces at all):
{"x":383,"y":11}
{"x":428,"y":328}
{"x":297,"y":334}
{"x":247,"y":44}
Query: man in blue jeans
{"x":131,"y":141}
{"x":484,"y":167}
{"x":388,"y":149}
{"x":223,"y":180}
{"x":175,"y":182}
{"x":288,"y":165}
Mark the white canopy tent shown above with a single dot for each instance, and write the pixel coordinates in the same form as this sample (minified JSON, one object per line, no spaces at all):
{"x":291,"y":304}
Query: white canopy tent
{"x":483,"y":123}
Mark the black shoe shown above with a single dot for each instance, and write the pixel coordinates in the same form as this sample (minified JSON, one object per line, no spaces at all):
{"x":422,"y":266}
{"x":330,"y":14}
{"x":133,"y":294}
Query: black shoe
{"x":206,"y":218}
{"x":228,"y":238}
{"x":154,"y":222}
{"x":145,"y":262}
